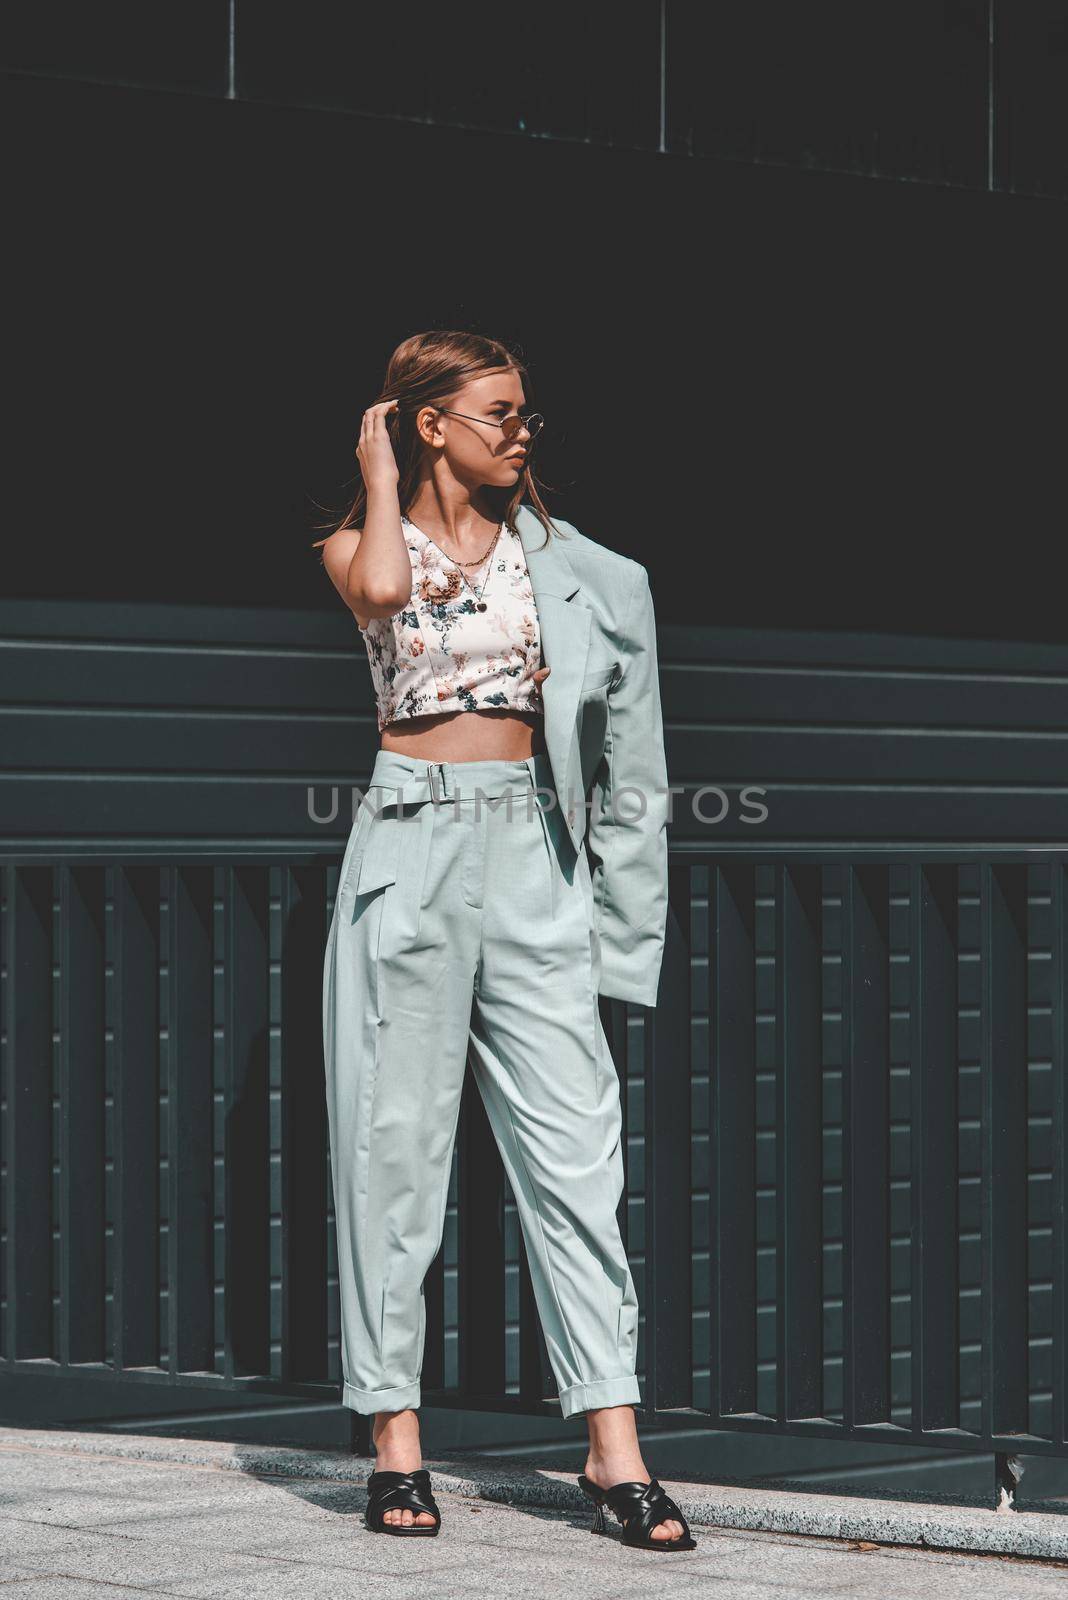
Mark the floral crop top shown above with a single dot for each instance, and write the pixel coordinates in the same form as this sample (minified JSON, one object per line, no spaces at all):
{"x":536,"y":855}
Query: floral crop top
{"x":469,"y":640}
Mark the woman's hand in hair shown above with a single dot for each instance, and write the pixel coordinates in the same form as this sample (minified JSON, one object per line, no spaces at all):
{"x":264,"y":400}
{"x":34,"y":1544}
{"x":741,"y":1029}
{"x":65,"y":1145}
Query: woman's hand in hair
{"x":374,"y":450}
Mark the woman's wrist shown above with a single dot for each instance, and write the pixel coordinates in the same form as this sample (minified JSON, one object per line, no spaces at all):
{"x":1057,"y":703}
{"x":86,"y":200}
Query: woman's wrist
{"x":381,"y":487}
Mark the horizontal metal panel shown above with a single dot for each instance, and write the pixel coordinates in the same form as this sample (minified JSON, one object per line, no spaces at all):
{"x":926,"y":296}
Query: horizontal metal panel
{"x":128,"y":811}
{"x":65,"y":623}
{"x":180,"y":679}
{"x":218,"y":726}
{"x":863,"y":697}
{"x":339,"y":746}
{"x":260,"y":742}
{"x":329,"y":678}
{"x":861,"y":757}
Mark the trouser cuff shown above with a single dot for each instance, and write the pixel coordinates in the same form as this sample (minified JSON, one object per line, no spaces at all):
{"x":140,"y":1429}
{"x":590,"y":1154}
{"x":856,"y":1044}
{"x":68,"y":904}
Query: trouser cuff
{"x":604,"y":1392}
{"x":370,"y":1400}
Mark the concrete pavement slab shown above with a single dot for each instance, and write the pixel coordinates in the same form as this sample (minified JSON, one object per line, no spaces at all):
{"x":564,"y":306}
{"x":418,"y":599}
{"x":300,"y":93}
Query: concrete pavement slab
{"x":203,"y":1518}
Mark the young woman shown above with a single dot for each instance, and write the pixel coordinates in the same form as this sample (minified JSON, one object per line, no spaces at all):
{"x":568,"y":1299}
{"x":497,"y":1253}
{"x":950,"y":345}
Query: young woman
{"x":516,"y":675}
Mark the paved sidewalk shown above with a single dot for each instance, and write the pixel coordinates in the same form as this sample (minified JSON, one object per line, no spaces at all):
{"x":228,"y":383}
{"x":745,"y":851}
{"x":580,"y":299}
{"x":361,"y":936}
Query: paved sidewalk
{"x":83,"y":1513}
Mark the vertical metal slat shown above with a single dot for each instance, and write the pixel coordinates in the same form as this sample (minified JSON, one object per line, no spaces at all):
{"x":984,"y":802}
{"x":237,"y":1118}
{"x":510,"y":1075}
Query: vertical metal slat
{"x":304,"y":1134}
{"x":190,"y":1218}
{"x":28,"y":1124}
{"x":668,"y":1287}
{"x":866,"y":1145}
{"x":799,"y":1154}
{"x":1059,"y":1063}
{"x":246,"y":1113}
{"x":135,"y":1043}
{"x":733,"y":1134}
{"x":934,"y":1199}
{"x":81,"y":1113}
{"x":1003,"y":1068}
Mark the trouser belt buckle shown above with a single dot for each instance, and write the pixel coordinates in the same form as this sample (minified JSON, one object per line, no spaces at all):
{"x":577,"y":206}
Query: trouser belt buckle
{"x":436,"y":776}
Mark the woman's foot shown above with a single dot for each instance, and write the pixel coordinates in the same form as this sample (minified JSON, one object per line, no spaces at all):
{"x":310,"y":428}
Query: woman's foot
{"x":615,"y":1457}
{"x":396,"y":1441}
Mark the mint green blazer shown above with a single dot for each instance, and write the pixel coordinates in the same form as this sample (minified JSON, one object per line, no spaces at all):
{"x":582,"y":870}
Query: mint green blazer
{"x":604,"y":737}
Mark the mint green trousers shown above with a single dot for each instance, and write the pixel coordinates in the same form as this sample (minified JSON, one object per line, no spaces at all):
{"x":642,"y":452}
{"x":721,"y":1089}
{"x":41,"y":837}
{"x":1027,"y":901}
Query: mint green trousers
{"x":459,"y":936}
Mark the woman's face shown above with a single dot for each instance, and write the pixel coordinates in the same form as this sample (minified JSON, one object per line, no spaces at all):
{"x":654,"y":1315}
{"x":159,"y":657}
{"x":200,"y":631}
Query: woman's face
{"x":477,"y":451}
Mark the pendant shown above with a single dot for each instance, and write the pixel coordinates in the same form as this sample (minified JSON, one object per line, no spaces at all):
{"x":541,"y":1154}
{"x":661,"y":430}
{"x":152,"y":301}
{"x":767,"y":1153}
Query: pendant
{"x":480,"y":605}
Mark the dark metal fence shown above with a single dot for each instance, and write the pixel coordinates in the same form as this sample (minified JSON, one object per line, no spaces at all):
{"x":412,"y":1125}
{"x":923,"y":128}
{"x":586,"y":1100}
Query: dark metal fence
{"x":845,"y":1202}
{"x":878,"y":1078}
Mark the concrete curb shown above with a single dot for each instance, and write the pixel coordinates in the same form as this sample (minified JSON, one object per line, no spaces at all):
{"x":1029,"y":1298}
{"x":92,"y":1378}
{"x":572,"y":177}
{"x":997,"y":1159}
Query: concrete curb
{"x":1038,"y":1534}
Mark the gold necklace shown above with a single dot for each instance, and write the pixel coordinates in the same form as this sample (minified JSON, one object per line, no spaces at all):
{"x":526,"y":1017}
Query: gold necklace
{"x":480,"y":604}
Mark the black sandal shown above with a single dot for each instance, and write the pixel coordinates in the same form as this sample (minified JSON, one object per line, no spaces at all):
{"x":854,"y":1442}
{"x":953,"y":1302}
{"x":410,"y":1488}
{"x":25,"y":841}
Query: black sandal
{"x":639,"y":1507}
{"x":400,"y":1491}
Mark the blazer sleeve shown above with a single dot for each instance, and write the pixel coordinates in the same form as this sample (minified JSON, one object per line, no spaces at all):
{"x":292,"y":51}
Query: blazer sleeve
{"x":627,"y":834}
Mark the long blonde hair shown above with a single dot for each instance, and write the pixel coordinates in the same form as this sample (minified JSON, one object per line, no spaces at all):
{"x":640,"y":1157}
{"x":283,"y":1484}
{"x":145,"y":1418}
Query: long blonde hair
{"x":426,"y":369}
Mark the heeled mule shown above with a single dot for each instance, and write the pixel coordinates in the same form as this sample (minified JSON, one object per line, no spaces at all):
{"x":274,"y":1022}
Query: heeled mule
{"x":639,"y":1507}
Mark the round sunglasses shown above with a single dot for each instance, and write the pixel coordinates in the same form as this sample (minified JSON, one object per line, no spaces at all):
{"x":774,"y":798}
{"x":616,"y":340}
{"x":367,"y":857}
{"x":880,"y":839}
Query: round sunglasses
{"x":509,"y":425}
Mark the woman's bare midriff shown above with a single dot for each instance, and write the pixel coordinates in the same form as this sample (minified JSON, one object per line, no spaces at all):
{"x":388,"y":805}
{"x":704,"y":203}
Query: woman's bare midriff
{"x":467,"y":736}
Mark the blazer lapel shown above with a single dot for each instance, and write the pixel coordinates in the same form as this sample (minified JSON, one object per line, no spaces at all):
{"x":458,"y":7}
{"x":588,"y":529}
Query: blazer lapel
{"x":564,"y":621}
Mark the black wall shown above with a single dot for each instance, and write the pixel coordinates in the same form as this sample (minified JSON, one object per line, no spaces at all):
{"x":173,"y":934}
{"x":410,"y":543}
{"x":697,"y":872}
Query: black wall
{"x":965,"y":92}
{"x":813,"y":378}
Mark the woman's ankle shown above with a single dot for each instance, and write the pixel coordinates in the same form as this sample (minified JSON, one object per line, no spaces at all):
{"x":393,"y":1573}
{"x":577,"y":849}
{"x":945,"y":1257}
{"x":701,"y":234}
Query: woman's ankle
{"x":615,"y":1454}
{"x":620,"y":1467}
{"x":395,"y":1438}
